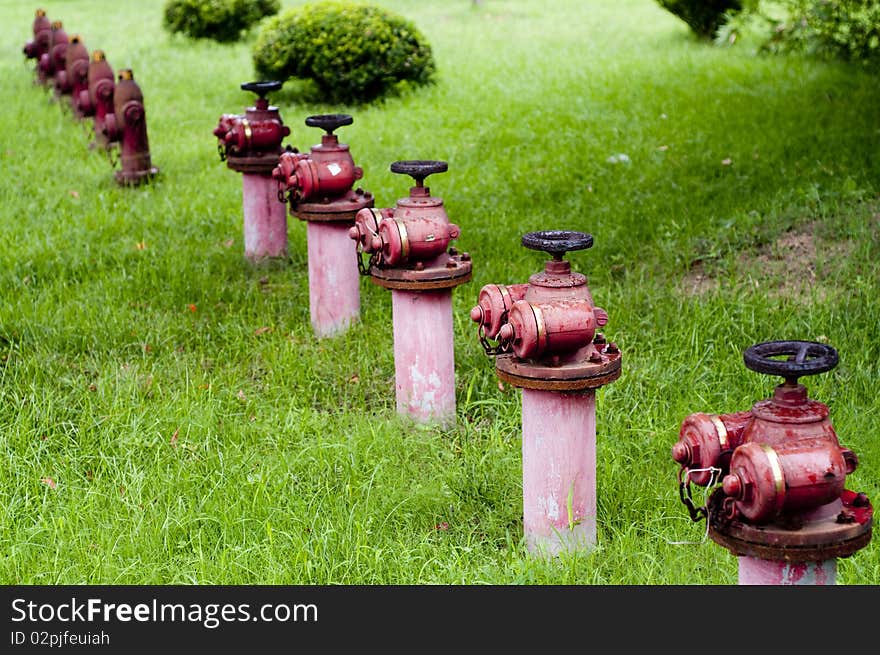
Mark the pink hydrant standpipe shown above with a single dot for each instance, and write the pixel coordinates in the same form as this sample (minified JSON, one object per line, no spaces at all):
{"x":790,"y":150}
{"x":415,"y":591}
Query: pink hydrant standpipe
{"x":547,"y":344}
{"x":782,"y":507}
{"x":251,"y":145}
{"x":409,"y":255}
{"x":319,"y":187}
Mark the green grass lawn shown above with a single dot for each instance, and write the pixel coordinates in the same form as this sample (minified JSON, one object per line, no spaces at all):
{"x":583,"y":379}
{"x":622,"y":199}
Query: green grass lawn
{"x":167,"y":415}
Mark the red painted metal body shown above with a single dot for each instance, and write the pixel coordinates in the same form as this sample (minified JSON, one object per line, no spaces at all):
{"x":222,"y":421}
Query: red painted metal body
{"x":58,"y":53}
{"x":251,"y":144}
{"x":96,"y":100}
{"x":707,"y":441}
{"x":409,"y":254}
{"x":493,"y":305}
{"x":547,"y":344}
{"x":790,"y":458}
{"x":131,"y":130}
{"x":319,"y":185}
{"x":782,"y":470}
{"x":77,"y":72}
{"x":327,"y":171}
{"x":409,"y":244}
{"x":41,"y":42}
{"x":57,"y":43}
{"x":546,"y":330}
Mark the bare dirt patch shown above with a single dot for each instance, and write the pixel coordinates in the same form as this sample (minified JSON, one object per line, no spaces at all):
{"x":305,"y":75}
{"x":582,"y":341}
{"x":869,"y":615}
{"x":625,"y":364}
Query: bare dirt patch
{"x":792,"y":266}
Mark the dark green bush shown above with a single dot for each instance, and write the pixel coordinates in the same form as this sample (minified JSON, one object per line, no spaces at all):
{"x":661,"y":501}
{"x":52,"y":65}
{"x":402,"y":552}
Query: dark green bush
{"x":220,"y":20}
{"x":704,"y":17}
{"x":351,"y":51}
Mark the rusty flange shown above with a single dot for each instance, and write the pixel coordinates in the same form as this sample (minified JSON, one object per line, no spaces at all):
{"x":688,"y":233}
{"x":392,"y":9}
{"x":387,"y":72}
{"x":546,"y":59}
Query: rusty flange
{"x":340,"y":209}
{"x":262,"y":164}
{"x":570,"y":375}
{"x":447,"y":271}
{"x":136,"y":178}
{"x":839,"y":530}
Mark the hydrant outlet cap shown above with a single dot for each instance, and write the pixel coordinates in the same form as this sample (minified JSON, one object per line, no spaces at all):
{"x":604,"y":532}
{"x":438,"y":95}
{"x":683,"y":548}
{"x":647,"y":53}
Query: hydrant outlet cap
{"x":601,"y":316}
{"x":506,"y":332}
{"x":681,"y":453}
{"x":477,"y":314}
{"x":732,"y":485}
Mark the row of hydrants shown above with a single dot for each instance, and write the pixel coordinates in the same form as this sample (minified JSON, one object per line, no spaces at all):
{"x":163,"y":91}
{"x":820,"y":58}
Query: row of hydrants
{"x":86,"y":81}
{"x":775,"y":475}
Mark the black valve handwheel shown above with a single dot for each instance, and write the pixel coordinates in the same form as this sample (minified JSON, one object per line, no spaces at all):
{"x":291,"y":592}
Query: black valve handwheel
{"x":419,"y":169}
{"x":262,"y":88}
{"x":329,"y":122}
{"x":557,"y":242}
{"x":802,"y":358}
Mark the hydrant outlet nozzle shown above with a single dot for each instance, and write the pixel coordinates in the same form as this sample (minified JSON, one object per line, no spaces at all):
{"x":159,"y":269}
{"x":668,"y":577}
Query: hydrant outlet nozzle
{"x":732,"y":485}
{"x":681,"y":453}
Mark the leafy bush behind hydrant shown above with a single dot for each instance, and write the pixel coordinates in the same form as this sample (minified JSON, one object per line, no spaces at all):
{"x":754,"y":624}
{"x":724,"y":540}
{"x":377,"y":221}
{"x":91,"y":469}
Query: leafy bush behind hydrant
{"x":220,"y":20}
{"x":351,"y":51}
{"x":704,"y":17}
{"x":846,"y":29}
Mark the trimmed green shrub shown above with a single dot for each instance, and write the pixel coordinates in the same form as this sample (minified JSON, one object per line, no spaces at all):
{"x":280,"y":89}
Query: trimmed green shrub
{"x":847,"y":29}
{"x":353,"y":52}
{"x":704,"y":17}
{"x":843,"y":29}
{"x":220,"y":20}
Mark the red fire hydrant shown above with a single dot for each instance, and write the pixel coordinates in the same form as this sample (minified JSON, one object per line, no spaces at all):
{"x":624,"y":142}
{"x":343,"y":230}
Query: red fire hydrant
{"x":251,"y":144}
{"x":320,"y":189}
{"x":58,"y":41}
{"x":409,"y":254}
{"x":129,"y":128}
{"x":39,"y":45}
{"x":782,"y":506}
{"x":548,"y":343}
{"x":76,"y":72}
{"x":96,"y":100}
{"x":59,"y":52}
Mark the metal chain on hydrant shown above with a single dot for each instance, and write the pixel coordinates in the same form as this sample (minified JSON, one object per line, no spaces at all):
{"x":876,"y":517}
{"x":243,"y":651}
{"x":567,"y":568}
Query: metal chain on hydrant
{"x":375,"y":258}
{"x":491,"y":350}
{"x":684,"y":490}
{"x":363,"y":269}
